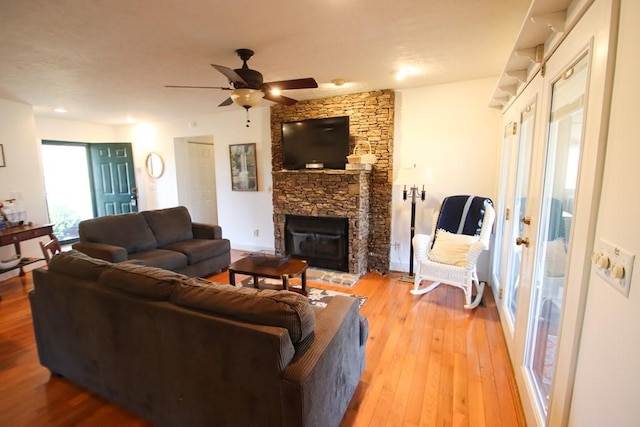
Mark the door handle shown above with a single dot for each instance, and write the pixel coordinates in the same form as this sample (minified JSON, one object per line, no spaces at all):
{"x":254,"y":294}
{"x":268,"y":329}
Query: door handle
{"x":134,"y":196}
{"x":526,"y":220}
{"x":522,"y":241}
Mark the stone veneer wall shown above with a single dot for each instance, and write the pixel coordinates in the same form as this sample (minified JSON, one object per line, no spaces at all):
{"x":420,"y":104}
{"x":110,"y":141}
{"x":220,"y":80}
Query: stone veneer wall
{"x":371,"y":118}
{"x":326,"y":193}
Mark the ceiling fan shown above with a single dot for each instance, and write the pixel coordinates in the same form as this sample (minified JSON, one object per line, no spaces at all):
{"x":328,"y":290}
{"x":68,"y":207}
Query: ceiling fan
{"x":248,"y":88}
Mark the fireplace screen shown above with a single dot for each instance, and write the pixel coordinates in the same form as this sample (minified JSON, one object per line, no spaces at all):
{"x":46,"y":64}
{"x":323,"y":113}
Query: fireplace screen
{"x":321,"y":241}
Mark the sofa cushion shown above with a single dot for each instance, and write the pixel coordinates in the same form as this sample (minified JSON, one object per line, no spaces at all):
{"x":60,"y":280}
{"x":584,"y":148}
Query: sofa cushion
{"x":283,"y":309}
{"x":150,"y":282}
{"x":77,"y":264}
{"x":198,"y":250}
{"x":162,"y":258}
{"x":129,"y":231}
{"x":170,"y":225}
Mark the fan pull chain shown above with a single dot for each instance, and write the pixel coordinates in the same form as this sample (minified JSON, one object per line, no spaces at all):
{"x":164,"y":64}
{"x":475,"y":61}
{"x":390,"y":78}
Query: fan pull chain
{"x":247,"y":110}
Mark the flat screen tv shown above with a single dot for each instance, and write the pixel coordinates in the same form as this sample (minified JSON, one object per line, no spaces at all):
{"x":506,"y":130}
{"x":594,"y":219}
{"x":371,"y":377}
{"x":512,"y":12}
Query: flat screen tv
{"x":316,"y":142}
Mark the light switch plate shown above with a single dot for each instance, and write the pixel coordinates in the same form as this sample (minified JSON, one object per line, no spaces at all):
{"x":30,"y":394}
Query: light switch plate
{"x":619,"y":256}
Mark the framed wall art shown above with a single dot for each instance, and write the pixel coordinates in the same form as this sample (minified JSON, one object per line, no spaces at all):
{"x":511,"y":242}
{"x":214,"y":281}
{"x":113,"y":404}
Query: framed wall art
{"x":244,"y":173}
{"x":2,"y":162}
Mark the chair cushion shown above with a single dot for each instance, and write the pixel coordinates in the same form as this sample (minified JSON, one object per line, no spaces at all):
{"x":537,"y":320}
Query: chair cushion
{"x":283,"y":309}
{"x":455,"y":249}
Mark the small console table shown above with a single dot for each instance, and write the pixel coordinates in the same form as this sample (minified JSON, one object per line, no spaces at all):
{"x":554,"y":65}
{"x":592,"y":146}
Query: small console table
{"x":20,"y":233}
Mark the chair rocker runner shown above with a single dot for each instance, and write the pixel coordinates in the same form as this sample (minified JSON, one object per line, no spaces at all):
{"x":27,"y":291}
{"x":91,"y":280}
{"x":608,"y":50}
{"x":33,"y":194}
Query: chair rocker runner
{"x":461,"y":231}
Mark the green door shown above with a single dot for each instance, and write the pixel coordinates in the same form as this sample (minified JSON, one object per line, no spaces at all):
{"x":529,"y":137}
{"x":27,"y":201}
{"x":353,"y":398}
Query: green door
{"x":114,"y":180}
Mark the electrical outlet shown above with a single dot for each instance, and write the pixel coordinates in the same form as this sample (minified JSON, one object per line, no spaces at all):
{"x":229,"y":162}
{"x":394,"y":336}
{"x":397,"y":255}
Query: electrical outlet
{"x":614,"y":265}
{"x":256,"y":232}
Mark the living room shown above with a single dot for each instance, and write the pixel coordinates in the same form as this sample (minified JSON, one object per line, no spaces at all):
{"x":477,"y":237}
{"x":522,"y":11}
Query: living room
{"x":447,"y":127}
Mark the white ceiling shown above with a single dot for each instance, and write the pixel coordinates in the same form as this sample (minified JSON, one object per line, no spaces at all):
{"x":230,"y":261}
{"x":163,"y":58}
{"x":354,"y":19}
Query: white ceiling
{"x":107,"y":60}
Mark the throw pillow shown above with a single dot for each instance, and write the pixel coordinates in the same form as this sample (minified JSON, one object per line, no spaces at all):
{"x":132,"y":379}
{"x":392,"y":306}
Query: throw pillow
{"x":555,"y":258}
{"x":455,"y":249}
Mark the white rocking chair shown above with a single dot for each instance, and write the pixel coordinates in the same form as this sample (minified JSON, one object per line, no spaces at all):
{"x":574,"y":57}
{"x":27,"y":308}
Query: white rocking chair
{"x":461,"y":231}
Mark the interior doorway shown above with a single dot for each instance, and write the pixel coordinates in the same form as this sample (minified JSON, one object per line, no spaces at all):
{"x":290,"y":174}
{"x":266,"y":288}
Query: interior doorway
{"x":195,"y":170}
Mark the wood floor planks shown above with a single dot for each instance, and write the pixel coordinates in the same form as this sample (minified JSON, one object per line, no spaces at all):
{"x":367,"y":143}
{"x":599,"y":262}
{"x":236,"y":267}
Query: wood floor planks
{"x":430,"y":362}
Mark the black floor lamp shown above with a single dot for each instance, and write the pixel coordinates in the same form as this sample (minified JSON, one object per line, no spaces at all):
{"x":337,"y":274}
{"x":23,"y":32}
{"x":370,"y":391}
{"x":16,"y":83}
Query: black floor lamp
{"x":413,"y":177}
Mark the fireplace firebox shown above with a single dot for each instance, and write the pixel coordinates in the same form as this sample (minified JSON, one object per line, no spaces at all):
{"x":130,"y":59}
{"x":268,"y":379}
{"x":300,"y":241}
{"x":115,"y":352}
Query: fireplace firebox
{"x":321,"y":241}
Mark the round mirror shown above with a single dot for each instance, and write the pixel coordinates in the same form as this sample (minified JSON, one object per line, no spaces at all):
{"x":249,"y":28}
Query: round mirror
{"x":155,"y":165}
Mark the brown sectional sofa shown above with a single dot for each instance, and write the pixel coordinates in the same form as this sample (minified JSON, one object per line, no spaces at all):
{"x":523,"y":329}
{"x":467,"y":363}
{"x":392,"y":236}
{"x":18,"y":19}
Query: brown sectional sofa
{"x":182,"y":351}
{"x":163,"y":238}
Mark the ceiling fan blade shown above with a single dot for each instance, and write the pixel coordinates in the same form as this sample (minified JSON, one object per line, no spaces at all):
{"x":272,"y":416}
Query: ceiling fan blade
{"x":307,"y":83}
{"x":280,"y":99}
{"x":199,"y":87}
{"x":226,"y":102}
{"x":230,"y":74}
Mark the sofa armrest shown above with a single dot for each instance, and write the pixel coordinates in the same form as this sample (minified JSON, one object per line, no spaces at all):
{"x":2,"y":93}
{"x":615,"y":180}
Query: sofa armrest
{"x":206,"y":231}
{"x":324,"y":377}
{"x":102,"y":251}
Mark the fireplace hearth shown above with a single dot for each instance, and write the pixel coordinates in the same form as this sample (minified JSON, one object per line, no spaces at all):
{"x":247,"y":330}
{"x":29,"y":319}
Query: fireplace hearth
{"x":322,"y":241}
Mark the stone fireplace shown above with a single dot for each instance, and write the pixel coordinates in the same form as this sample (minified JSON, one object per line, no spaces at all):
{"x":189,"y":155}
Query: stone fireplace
{"x":323,"y":241}
{"x":326,"y":194}
{"x":363,"y":198}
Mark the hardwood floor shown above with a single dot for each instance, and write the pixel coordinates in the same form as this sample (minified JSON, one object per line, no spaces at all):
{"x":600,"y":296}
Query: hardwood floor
{"x":429,"y":363}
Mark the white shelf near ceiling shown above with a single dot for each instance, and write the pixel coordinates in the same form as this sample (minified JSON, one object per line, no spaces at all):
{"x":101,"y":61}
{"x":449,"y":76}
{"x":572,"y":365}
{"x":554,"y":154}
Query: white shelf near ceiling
{"x":546,"y":24}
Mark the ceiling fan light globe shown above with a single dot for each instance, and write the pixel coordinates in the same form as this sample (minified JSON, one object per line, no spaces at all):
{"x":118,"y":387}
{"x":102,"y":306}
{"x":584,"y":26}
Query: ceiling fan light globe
{"x":247,"y":98}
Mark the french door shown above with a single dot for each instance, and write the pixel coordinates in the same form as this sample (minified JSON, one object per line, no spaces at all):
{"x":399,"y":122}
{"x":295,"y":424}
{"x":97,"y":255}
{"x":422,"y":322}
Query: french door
{"x":552,"y":166}
{"x":513,"y":218}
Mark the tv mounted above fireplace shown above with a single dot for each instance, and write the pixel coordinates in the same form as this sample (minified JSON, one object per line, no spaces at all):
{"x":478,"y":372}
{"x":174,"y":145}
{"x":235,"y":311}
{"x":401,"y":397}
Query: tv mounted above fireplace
{"x":315,"y":143}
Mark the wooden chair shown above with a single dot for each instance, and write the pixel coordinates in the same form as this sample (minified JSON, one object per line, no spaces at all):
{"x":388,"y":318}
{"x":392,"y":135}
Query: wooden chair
{"x":50,"y":248}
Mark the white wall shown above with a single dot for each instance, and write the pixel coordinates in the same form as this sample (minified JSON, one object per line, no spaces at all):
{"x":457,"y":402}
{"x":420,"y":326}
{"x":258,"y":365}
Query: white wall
{"x":22,"y":176}
{"x":607,"y":383}
{"x":450,"y":129}
{"x":446,"y":127}
{"x":239,"y":212}
{"x":74,"y":131}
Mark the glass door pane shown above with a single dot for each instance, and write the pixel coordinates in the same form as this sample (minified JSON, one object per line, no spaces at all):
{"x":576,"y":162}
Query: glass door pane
{"x":517,"y":225}
{"x":564,"y":144}
{"x":499,"y":249}
{"x":68,"y":189}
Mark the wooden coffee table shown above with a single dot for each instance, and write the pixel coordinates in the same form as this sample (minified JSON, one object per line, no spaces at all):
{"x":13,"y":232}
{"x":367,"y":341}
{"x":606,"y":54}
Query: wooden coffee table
{"x":292,"y":267}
